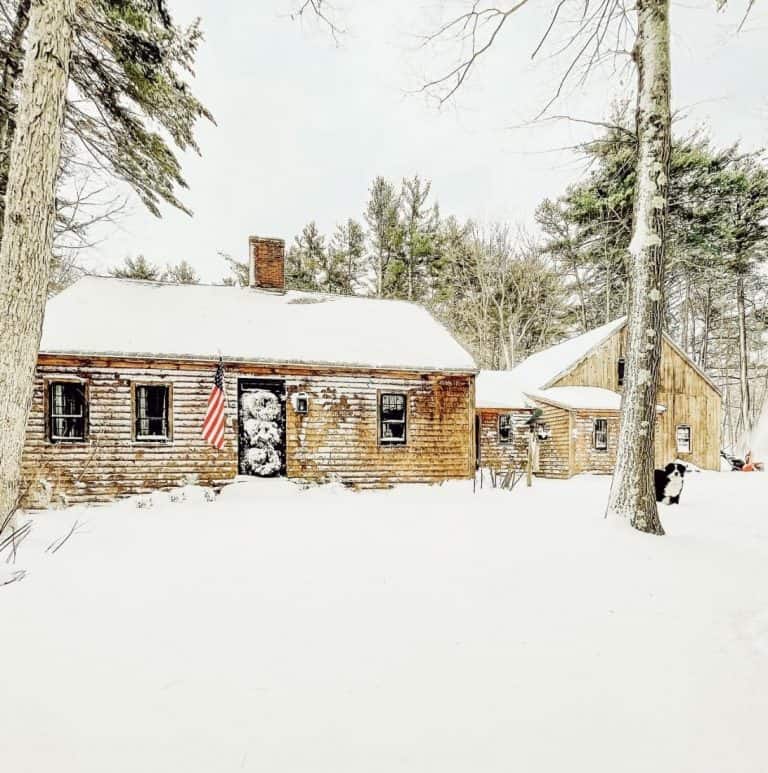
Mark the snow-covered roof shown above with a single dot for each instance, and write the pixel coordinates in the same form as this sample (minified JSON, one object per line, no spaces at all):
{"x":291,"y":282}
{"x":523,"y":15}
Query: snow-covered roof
{"x":542,"y":368}
{"x":499,"y":389}
{"x":580,"y":398}
{"x":109,"y":316}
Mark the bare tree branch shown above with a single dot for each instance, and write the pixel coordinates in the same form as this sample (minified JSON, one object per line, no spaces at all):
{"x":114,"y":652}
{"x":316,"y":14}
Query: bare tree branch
{"x":318,"y":8}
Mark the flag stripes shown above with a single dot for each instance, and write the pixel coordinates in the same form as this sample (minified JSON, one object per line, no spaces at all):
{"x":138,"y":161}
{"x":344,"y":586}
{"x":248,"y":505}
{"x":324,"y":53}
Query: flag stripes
{"x":215,"y":415}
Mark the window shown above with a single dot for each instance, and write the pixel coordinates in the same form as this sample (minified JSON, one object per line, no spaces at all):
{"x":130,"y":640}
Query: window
{"x":620,"y":371}
{"x":505,"y":428}
{"x":392,"y":419}
{"x":683,"y":436}
{"x":151,"y":412}
{"x":66,"y":411}
{"x":600,"y":435}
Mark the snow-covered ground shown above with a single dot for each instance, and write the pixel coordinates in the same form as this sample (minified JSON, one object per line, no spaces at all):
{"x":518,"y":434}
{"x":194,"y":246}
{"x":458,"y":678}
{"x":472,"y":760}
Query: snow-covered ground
{"x":418,"y":629}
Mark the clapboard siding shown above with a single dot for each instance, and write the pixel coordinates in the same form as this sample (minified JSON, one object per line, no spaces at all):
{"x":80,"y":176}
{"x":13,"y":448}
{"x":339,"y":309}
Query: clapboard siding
{"x":338,"y":438}
{"x":498,"y":455}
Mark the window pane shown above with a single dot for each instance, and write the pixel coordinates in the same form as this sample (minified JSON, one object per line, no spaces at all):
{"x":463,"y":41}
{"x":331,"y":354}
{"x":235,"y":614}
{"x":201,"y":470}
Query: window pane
{"x":601,"y":434}
{"x":684,"y":439}
{"x":67,"y":411}
{"x":505,"y":428}
{"x":393,"y":431}
{"x":151,"y":411}
{"x":392,"y":415}
{"x":393,"y":407}
{"x":620,"y":371}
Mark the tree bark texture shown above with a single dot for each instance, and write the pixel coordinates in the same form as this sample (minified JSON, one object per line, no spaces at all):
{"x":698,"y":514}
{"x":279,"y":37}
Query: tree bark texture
{"x":746,"y":402}
{"x":632,"y":491}
{"x":10,"y":77}
{"x":25,"y":253}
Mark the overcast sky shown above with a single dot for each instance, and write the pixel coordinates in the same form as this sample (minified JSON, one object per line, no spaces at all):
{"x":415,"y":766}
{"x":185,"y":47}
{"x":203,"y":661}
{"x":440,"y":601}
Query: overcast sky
{"x":303,"y":125}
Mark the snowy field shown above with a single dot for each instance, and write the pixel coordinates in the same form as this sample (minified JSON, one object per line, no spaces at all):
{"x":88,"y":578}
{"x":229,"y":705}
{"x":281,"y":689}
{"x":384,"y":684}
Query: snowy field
{"x":419,"y":629}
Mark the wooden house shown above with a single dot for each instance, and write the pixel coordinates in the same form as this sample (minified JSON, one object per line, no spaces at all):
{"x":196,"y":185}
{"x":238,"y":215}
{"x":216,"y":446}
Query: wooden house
{"x":318,"y":387}
{"x":577,"y":386}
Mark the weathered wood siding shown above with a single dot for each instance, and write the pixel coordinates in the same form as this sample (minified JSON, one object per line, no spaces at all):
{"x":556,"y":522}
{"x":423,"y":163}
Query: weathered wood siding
{"x":586,"y":457}
{"x":337,"y":438}
{"x":688,"y":397}
{"x":555,"y":457}
{"x":494,"y":453}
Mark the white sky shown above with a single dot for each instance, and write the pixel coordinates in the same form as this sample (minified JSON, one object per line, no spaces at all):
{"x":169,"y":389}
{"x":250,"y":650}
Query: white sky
{"x":303,"y":126}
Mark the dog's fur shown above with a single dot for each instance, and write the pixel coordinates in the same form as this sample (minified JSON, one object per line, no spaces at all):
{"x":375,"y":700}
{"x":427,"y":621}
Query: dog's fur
{"x":669,"y":483}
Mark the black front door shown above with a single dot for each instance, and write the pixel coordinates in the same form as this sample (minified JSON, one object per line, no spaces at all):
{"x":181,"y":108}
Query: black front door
{"x":261,"y":414}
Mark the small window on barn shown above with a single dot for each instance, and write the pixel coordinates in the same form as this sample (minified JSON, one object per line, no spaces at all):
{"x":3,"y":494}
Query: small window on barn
{"x":600,"y":435}
{"x":505,"y":428}
{"x":66,"y":411}
{"x":683,"y":437}
{"x":620,"y":365}
{"x":392,"y":419}
{"x":152,"y":411}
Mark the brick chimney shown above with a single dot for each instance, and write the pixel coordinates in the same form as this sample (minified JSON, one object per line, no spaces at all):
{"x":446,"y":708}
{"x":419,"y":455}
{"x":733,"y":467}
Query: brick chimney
{"x":266,"y":263}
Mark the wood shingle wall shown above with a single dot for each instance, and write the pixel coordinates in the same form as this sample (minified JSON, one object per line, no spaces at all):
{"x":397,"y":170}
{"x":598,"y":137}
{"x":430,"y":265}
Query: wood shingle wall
{"x":495,"y":454}
{"x":338,"y":437}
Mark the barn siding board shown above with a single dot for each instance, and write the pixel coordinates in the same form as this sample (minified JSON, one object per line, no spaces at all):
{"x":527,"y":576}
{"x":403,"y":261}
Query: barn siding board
{"x":338,"y":438}
{"x":687,"y":396}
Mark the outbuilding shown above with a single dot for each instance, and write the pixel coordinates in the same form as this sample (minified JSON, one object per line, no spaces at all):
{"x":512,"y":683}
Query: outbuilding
{"x":576,"y":389}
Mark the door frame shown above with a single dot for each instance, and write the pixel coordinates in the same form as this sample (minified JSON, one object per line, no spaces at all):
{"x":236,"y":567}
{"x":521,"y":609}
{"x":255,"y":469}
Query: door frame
{"x":272,"y":384}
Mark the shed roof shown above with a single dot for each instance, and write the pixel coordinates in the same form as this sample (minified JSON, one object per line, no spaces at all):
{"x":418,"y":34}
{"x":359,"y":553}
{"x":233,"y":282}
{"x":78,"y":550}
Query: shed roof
{"x":580,"y":398}
{"x":499,"y":389}
{"x":124,"y":317}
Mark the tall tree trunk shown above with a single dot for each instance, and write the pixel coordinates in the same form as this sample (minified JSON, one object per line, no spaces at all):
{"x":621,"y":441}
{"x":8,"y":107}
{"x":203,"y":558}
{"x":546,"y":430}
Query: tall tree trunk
{"x":632,"y":491}
{"x":25,"y":253}
{"x":746,"y":403}
{"x":12,"y":67}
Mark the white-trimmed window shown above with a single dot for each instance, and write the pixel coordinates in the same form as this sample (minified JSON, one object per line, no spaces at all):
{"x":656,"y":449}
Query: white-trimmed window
{"x":683,"y":438}
{"x":600,"y":435}
{"x":506,"y":428}
{"x":152,"y":411}
{"x":67,"y":409}
{"x":392,"y":419}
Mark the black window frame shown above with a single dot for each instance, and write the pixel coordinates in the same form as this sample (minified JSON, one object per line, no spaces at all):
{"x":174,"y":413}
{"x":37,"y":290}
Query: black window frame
{"x":621,"y":371}
{"x":166,"y":419}
{"x":597,"y":432}
{"x":509,"y":430}
{"x":53,"y":416}
{"x":392,"y":441}
{"x":690,"y":438}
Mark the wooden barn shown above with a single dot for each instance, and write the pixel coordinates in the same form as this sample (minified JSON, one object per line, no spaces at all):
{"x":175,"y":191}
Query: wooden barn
{"x":318,"y":387}
{"x":577,"y":386}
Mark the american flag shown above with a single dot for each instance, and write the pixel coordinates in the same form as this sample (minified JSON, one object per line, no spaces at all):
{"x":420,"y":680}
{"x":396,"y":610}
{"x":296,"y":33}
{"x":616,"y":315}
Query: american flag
{"x":215,"y":417}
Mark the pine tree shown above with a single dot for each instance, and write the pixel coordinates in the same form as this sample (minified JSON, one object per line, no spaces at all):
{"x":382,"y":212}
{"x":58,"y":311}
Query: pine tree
{"x":306,"y":259}
{"x":126,"y":77}
{"x":384,"y":232}
{"x":181,"y":273}
{"x":347,"y":249}
{"x":419,"y":224}
{"x":137,"y":268}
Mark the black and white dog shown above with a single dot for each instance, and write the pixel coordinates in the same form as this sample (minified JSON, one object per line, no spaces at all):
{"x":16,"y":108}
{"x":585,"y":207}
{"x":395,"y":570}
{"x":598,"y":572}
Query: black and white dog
{"x":669,"y":483}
